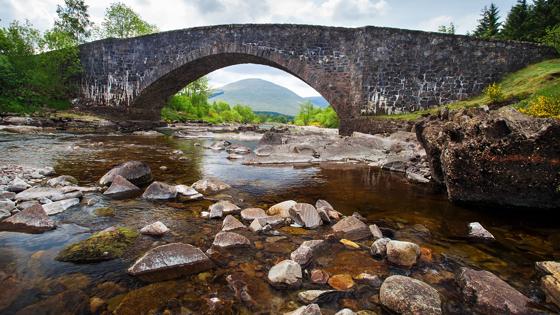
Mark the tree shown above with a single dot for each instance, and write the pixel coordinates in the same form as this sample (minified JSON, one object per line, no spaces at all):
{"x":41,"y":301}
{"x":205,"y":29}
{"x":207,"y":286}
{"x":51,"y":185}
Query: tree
{"x":122,"y":22}
{"x":73,"y":18}
{"x":552,"y":37}
{"x":19,"y":39}
{"x":488,"y":25}
{"x":448,"y":29}
{"x":545,"y":14}
{"x":518,"y":22}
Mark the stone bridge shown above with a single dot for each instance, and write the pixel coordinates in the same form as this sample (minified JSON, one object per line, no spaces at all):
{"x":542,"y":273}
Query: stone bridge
{"x":362,"y":72}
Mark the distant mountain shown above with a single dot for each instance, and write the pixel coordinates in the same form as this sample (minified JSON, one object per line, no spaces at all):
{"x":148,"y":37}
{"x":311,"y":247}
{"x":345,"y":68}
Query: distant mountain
{"x":260,"y":95}
{"x":318,"y":101}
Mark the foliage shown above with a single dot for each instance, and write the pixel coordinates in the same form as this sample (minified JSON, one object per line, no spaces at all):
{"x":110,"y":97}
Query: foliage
{"x":518,"y":22}
{"x":310,"y":115}
{"x":552,"y":37}
{"x":448,"y":29}
{"x":73,"y":19}
{"x":544,"y":103}
{"x":273,"y":117}
{"x":494,"y":93}
{"x":122,"y":22}
{"x":488,"y":25}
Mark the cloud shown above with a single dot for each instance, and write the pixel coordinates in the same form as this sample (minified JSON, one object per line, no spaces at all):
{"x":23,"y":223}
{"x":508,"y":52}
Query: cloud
{"x":433,"y":23}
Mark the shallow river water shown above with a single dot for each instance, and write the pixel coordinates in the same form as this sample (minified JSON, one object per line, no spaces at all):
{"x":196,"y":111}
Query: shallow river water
{"x":38,"y":284}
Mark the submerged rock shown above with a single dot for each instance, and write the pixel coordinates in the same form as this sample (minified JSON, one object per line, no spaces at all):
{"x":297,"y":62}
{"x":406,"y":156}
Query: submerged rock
{"x":230,"y":240}
{"x":60,"y":206}
{"x":155,"y":229}
{"x":319,"y":276}
{"x":210,"y":186}
{"x":282,"y":209}
{"x":231,"y":223}
{"x":136,"y":172}
{"x":121,"y":188}
{"x":404,"y":295}
{"x":402,"y":253}
{"x":159,"y":191}
{"x":30,"y":220}
{"x":304,"y":253}
{"x":305,"y":215}
{"x":286,"y":274}
{"x":105,"y":245}
{"x":341,"y":282}
{"x":477,"y":231}
{"x":311,"y":296}
{"x":488,"y":294}
{"x":170,"y":261}
{"x":351,"y":228}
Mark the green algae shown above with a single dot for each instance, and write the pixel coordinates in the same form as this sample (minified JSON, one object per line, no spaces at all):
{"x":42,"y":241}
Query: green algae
{"x":104,"y":245}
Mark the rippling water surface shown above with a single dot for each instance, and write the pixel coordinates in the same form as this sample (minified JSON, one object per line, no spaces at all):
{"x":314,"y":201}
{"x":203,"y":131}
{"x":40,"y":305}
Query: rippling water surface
{"x":40,"y":285}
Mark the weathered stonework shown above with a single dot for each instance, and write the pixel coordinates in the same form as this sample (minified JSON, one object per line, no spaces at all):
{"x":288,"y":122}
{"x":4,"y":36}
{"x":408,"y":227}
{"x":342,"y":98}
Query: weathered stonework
{"x":360,"y":71}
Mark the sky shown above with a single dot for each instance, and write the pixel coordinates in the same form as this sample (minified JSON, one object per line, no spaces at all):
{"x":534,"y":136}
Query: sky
{"x":424,"y":15}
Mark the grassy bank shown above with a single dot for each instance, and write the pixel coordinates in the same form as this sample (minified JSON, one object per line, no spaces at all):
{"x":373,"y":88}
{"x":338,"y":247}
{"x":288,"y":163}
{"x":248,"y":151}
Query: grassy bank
{"x":519,"y":89}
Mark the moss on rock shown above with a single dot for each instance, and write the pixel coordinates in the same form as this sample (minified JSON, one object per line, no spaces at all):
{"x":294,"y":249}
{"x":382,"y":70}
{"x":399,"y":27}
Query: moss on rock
{"x":104,"y":245}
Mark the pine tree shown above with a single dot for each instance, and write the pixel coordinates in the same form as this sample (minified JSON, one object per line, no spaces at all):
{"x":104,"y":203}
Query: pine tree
{"x":518,"y":22}
{"x":73,"y":19}
{"x":489,"y":23}
{"x":545,"y":14}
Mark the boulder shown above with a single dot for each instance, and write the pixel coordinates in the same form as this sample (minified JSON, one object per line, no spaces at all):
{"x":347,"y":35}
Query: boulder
{"x":323,"y":204}
{"x":379,"y":247}
{"x":304,"y":253}
{"x":7,"y":195}
{"x":30,"y":220}
{"x":311,"y":309}
{"x":230,"y":240}
{"x":60,"y":206}
{"x":375,"y":232}
{"x":402,"y":253}
{"x":210,"y":186}
{"x":253,"y":213}
{"x":18,"y":185}
{"x":231,"y":223}
{"x":188,"y":192}
{"x":7,"y":205}
{"x":499,"y":157}
{"x":108,"y":244}
{"x":258,"y":226}
{"x":136,"y":172}
{"x":285,"y":274}
{"x":282,"y":209}
{"x":477,"y":231}
{"x":121,"y":188}
{"x":54,"y":194}
{"x":170,"y":261}
{"x":63,"y":180}
{"x":4,"y":214}
{"x":220,"y":208}
{"x":159,"y":191}
{"x":351,"y":228}
{"x":238,"y":149}
{"x":305,"y":215}
{"x":488,"y":294}
{"x":550,"y":283}
{"x":404,"y":295}
{"x":155,"y":229}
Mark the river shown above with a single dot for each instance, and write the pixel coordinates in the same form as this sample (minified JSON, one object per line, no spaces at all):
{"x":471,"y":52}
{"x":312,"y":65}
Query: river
{"x":419,"y":213}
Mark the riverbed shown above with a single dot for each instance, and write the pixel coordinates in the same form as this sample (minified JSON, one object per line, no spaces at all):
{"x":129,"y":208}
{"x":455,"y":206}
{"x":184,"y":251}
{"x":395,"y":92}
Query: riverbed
{"x":416,"y":212}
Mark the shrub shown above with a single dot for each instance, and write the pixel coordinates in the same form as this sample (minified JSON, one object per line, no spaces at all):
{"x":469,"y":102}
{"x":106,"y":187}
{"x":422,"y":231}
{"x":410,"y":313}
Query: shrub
{"x":542,"y":106}
{"x":552,"y":37}
{"x":494,"y":93}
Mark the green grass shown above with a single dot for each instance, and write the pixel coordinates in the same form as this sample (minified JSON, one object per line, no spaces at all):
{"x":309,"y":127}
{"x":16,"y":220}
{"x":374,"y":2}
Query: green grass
{"x":538,"y":79}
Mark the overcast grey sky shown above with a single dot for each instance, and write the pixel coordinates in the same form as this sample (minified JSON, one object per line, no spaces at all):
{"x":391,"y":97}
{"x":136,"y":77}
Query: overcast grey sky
{"x":175,"y":14}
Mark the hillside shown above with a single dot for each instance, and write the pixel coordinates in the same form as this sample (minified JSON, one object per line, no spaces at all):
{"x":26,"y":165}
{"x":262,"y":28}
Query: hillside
{"x":261,"y":96}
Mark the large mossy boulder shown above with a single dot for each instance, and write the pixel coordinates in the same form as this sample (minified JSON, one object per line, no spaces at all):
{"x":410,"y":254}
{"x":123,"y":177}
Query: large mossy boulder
{"x":105,"y":245}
